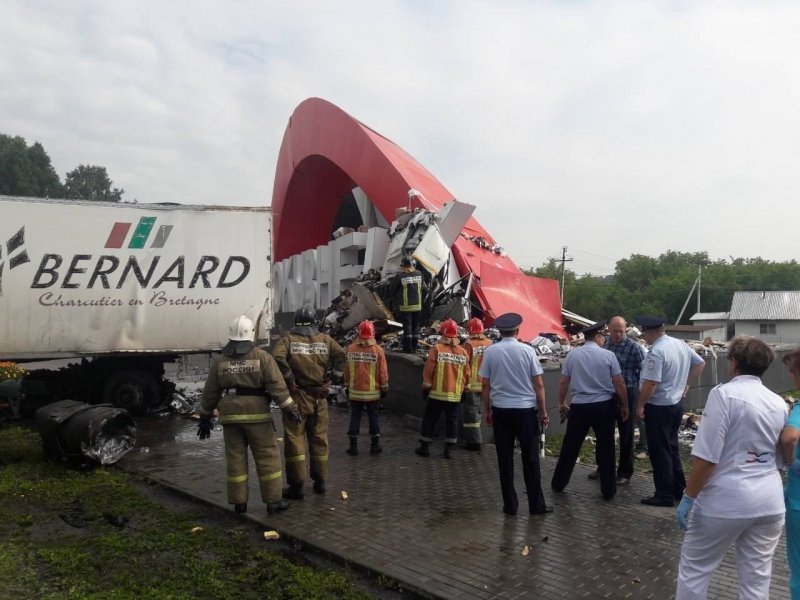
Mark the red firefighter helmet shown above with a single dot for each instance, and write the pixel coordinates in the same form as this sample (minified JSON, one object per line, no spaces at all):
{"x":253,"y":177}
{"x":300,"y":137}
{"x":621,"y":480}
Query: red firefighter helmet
{"x":449,"y":328}
{"x":366,"y":329}
{"x":475,"y":325}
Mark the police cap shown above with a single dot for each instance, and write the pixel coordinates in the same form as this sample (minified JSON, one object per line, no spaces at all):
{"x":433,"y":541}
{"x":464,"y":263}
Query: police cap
{"x":508,"y":321}
{"x":593,"y":329}
{"x":648,"y":322}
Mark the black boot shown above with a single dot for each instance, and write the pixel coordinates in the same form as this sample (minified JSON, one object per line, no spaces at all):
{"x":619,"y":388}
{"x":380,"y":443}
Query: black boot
{"x":293,"y":492}
{"x":375,"y":447}
{"x":424,"y":449}
{"x":353,"y":449}
{"x":273,"y":507}
{"x":447,"y":447}
{"x":240,"y":508}
{"x":319,"y":487}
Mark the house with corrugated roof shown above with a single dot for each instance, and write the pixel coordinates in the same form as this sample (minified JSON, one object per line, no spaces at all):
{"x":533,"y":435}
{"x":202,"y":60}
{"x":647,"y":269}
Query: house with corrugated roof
{"x":714,"y":324}
{"x":771,"y":316}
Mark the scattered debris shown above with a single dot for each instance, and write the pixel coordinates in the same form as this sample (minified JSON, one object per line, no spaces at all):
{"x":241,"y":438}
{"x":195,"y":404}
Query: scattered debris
{"x":344,"y":495}
{"x":197,"y":530}
{"x":525,"y":551}
{"x":271,"y":535}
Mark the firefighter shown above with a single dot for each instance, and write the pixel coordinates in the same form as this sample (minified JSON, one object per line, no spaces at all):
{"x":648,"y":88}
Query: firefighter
{"x":444,"y":379}
{"x":408,"y":290}
{"x":304,"y":356}
{"x":471,"y":400}
{"x":251,"y":379}
{"x":367,"y":379}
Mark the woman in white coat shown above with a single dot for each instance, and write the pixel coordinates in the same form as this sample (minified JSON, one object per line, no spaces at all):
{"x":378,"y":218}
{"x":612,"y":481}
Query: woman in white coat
{"x":734,"y":494}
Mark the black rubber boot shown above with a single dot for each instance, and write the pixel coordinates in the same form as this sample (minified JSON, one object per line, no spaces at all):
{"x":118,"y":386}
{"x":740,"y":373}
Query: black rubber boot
{"x":424,"y":449}
{"x":353,"y":449}
{"x":293,"y":492}
{"x":319,"y":487}
{"x":447,"y":448}
{"x":273,"y":507}
{"x":240,"y":508}
{"x":375,"y":447}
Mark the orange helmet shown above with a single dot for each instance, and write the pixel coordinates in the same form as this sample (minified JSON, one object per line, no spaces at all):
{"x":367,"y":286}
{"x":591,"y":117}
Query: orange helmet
{"x":449,"y":328}
{"x":366,"y":329}
{"x":475,"y":325}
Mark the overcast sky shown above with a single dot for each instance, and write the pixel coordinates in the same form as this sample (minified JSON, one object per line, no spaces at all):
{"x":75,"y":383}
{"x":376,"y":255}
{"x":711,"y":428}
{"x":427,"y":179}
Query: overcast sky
{"x":613,"y":128}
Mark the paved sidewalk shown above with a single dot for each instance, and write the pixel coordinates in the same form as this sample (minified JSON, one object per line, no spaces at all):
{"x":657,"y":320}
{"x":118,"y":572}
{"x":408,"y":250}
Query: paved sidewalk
{"x":436,"y":525}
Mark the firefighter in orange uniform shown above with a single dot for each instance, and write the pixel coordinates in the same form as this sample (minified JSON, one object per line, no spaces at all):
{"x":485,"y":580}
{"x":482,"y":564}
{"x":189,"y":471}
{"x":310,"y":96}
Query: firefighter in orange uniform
{"x":444,"y":379}
{"x":367,"y":379}
{"x":471,"y":401}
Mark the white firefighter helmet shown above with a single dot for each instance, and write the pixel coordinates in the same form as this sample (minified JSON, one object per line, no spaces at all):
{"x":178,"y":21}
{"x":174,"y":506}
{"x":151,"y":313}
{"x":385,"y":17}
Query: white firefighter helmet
{"x":241,"y":330}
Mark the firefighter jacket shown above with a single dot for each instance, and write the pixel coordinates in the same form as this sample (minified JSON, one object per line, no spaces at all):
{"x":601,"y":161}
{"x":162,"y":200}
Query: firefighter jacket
{"x":446,"y":372}
{"x":366,"y":374}
{"x":304,"y":356}
{"x":251,"y":379}
{"x":408,"y":289}
{"x":475,"y":346}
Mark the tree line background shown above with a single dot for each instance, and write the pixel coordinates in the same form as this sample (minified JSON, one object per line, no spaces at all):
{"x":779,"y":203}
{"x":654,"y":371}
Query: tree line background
{"x":27,"y":171}
{"x":643,"y":285}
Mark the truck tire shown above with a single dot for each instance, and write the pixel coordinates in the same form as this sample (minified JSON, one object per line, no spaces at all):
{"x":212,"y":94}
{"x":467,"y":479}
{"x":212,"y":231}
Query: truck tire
{"x":134,"y":390}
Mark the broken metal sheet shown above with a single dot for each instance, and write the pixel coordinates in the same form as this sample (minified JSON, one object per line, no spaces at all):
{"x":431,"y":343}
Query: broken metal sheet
{"x":535,"y":298}
{"x":452,"y":218}
{"x":432,"y":253}
{"x":366,"y":305}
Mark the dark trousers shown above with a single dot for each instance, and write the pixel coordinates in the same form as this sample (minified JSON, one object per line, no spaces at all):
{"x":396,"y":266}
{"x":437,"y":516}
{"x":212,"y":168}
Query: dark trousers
{"x":434,"y":408}
{"x":410,"y":321}
{"x":511,"y":424}
{"x":356,"y":408}
{"x":600,"y":417}
{"x":662,"y":424}
{"x":626,"y":435}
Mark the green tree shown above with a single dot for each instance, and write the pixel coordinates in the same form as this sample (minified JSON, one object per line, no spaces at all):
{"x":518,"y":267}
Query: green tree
{"x":26,"y":170}
{"x":89,"y":182}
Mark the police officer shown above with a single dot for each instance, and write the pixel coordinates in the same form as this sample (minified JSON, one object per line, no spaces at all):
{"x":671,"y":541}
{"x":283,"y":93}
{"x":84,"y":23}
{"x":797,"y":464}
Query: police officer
{"x":667,"y":370}
{"x":471,"y":401}
{"x":367,"y":379}
{"x":444,"y":378}
{"x":593,"y":376}
{"x":304,"y":356}
{"x":408,"y":289}
{"x":251,"y":379}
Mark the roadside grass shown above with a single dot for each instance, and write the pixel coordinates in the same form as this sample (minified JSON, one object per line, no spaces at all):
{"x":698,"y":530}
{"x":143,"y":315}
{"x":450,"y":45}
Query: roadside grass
{"x":92,"y":534}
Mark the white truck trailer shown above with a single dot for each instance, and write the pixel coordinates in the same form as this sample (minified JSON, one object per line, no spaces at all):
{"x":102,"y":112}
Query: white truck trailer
{"x":122,"y":289}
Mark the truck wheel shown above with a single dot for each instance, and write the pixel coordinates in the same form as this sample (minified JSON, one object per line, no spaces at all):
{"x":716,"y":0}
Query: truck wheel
{"x":134,"y":390}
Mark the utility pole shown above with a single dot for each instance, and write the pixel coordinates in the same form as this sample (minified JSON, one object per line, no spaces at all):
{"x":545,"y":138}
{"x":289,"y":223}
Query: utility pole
{"x":564,"y":259}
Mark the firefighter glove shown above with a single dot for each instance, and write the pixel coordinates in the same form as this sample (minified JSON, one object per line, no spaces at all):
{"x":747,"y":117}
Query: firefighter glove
{"x":292,"y":412}
{"x":425,"y":393}
{"x":204,"y":428}
{"x":384,"y":393}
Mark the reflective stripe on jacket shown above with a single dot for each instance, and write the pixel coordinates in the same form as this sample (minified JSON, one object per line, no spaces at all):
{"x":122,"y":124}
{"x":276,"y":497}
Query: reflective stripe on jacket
{"x":475,"y":346}
{"x":366,"y":373}
{"x":446,"y":371}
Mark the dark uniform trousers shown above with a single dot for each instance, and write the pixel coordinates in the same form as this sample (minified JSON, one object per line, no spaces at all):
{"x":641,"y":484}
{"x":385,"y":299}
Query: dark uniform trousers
{"x":433,"y":409}
{"x":471,"y":418}
{"x":356,"y":409}
{"x":260,"y":437}
{"x":599,"y":416}
{"x":410,"y":321}
{"x":626,"y":435}
{"x":511,"y":424}
{"x":313,"y":426}
{"x":662,"y":424}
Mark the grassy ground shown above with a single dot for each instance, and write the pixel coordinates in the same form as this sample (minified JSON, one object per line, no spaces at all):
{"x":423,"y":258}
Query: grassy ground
{"x":65,"y":533}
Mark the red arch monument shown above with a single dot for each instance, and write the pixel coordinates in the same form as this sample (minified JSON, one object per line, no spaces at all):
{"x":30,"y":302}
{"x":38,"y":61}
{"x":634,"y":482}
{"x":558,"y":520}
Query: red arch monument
{"x":325,"y":153}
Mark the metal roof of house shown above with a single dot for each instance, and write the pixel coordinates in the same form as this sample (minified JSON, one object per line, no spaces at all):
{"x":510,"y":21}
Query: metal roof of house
{"x":774,"y":306}
{"x":709,"y":316}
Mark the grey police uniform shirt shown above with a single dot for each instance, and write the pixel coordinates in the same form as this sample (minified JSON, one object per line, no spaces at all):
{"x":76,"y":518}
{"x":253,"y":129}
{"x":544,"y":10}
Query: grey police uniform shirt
{"x":668,"y":364}
{"x":590,"y":369}
{"x":510,"y":367}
